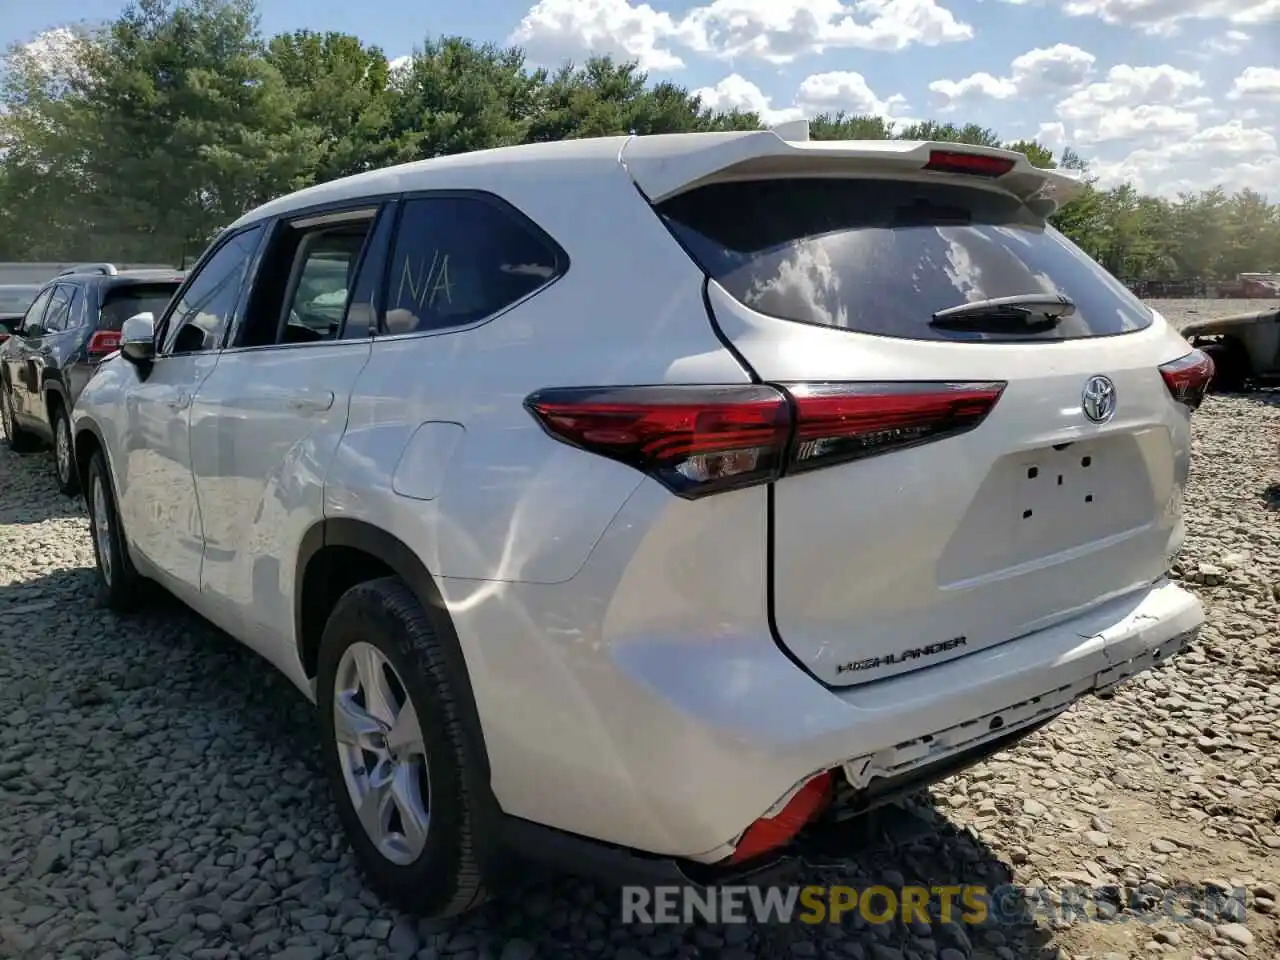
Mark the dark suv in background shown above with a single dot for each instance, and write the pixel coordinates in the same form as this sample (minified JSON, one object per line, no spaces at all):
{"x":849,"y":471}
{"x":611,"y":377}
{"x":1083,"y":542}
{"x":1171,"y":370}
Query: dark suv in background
{"x":71,"y":325}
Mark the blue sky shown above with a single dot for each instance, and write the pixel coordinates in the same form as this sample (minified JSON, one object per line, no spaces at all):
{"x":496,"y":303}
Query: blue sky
{"x":1143,"y":90}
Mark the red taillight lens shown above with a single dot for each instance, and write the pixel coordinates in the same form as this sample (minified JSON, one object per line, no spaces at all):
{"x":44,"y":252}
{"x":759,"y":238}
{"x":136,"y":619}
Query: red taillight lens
{"x":103,"y":342}
{"x":838,"y":422}
{"x":1188,"y":377}
{"x":699,"y":440}
{"x":696,"y":440}
{"x":770,"y":833}
{"x":975,"y":164}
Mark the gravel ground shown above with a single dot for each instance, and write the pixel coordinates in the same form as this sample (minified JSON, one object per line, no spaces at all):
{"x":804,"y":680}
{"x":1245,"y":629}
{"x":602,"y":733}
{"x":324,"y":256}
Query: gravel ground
{"x":1179,"y":312}
{"x":160,"y":792}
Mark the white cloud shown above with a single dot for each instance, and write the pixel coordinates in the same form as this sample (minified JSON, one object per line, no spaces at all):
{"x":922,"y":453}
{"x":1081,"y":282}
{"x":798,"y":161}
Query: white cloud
{"x":735,"y":92}
{"x":1037,"y":72}
{"x":1233,"y":41}
{"x":1052,"y":135}
{"x":1127,"y":86}
{"x":1132,"y":103}
{"x":818,"y":93}
{"x":1256,"y":83}
{"x":556,"y":30}
{"x":1164,"y":17}
{"x":1232,"y":155}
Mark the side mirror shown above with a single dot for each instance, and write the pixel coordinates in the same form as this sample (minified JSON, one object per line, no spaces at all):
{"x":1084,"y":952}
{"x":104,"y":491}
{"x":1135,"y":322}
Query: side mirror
{"x":137,"y":338}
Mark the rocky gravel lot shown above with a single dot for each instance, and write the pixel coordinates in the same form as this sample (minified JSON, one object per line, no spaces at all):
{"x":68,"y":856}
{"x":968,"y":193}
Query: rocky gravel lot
{"x":160,"y":792}
{"x":1179,"y":312}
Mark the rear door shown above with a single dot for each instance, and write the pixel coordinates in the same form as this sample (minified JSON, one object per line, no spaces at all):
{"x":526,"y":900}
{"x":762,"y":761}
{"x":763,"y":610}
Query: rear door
{"x":1006,"y":476}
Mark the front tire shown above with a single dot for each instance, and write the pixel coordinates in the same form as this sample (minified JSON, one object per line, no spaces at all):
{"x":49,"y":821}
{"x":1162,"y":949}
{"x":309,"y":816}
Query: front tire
{"x":64,"y":459}
{"x":405,"y":775}
{"x":119,"y":584}
{"x":19,"y":440}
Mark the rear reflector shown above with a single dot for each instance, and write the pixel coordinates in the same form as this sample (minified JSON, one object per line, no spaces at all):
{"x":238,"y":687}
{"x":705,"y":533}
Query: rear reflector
{"x":698,"y":440}
{"x":1188,"y":377}
{"x":770,"y":833}
{"x":103,"y":342}
{"x":975,"y":164}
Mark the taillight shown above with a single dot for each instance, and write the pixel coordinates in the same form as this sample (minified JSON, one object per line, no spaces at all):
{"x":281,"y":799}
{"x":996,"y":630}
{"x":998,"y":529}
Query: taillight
{"x":975,"y":164}
{"x":696,"y":440}
{"x":103,"y":342}
{"x":838,"y":422}
{"x":1188,"y":377}
{"x":699,"y":440}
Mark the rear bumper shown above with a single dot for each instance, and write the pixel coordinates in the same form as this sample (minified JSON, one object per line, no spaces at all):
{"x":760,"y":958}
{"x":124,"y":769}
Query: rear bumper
{"x":722,"y":745}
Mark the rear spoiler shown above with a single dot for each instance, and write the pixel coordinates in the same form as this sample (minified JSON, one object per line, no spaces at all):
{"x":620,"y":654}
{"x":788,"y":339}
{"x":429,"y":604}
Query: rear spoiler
{"x":665,"y":165}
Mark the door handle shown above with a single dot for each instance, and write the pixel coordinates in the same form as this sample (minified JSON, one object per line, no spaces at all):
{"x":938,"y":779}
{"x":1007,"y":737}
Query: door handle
{"x":179,"y":401}
{"x":316,"y":401}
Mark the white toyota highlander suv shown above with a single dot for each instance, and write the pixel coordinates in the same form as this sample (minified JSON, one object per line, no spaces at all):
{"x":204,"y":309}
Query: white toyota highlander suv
{"x":650,"y":503}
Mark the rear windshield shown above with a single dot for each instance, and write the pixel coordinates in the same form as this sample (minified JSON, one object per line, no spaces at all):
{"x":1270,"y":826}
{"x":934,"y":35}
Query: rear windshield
{"x":121,"y":303}
{"x":881,"y":256}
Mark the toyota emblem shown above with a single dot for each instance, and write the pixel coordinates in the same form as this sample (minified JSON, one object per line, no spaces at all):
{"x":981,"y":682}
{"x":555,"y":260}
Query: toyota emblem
{"x":1098,"y":400}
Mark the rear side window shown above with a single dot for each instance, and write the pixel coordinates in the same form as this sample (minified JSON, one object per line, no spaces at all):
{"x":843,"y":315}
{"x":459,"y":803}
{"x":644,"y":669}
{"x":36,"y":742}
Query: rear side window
{"x":59,"y":313}
{"x":460,"y":259}
{"x":881,"y":256}
{"x":121,"y":303}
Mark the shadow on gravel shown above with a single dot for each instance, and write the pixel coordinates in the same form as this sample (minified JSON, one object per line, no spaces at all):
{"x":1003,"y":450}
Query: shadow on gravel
{"x":168,"y":728}
{"x":29,"y":493}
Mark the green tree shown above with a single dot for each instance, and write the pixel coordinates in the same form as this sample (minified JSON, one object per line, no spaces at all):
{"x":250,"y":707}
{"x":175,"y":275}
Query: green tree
{"x":341,"y":91}
{"x":185,"y":124}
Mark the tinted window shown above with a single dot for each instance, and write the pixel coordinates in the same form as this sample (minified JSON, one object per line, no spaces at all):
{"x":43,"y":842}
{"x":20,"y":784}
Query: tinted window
{"x":121,"y":303}
{"x":202,"y":314}
{"x":882,"y":256}
{"x":35,"y":313}
{"x":56,"y":317}
{"x":458,"y":260}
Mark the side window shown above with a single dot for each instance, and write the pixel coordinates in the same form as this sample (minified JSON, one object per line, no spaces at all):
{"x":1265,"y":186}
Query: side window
{"x":58,"y":315}
{"x":458,"y":260}
{"x":305,"y":280}
{"x":205,"y":307}
{"x":34,"y":317}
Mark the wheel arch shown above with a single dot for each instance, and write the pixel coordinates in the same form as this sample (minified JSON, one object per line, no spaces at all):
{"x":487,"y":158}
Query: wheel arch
{"x":339,"y":552}
{"x":87,"y":439}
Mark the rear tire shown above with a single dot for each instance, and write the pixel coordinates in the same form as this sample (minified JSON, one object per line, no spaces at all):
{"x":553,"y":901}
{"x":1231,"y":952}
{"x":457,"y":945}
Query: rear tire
{"x":19,"y":440}
{"x":64,"y":457}
{"x":385,"y":674}
{"x":120,"y":586}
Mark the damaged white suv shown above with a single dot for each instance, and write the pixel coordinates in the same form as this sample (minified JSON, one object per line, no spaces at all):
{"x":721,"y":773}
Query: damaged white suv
{"x":648,"y":503}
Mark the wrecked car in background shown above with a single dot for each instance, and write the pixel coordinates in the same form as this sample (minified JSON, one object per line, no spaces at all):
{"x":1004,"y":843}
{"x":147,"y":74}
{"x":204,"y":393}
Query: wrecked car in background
{"x":1245,"y":348}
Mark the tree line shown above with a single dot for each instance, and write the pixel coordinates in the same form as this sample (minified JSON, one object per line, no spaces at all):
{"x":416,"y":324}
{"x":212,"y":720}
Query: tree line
{"x":135,"y":141}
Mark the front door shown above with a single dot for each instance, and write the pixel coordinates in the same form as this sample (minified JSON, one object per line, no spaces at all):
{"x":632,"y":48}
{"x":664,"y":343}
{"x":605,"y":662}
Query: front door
{"x":19,"y":357}
{"x":268,"y":419}
{"x":158,"y":497}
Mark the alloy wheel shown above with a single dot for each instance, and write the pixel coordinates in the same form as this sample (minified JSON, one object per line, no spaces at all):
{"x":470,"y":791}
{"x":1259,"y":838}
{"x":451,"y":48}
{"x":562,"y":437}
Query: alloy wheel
{"x":62,"y":449}
{"x":102,"y":528}
{"x":381,"y":753}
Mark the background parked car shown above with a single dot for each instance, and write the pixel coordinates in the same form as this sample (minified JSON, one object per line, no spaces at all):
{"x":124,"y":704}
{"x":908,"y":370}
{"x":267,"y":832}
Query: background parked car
{"x":72,"y":323}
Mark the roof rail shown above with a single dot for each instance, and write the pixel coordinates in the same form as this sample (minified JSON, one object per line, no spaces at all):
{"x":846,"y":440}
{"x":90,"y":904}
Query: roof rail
{"x":102,"y":269}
